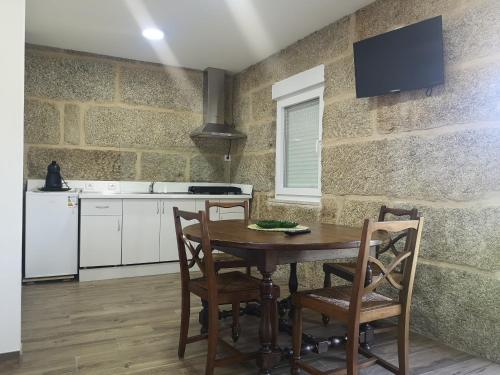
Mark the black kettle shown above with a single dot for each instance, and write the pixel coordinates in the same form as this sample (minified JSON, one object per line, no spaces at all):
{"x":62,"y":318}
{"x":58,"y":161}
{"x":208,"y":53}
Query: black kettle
{"x":53,"y":181}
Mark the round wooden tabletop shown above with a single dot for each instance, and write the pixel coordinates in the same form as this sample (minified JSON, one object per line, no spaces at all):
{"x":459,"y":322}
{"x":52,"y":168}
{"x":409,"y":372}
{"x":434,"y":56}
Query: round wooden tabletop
{"x":235,"y":234}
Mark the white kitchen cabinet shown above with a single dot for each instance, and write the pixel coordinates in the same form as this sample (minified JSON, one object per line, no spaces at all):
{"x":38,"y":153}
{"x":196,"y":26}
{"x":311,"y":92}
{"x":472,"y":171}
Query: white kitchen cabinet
{"x":100,"y":240}
{"x":232,"y":215}
{"x":214,"y":211}
{"x":168,"y":242}
{"x":141,"y":231}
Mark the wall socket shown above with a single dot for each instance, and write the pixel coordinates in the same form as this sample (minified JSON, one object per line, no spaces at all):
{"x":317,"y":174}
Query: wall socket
{"x":227,"y":157}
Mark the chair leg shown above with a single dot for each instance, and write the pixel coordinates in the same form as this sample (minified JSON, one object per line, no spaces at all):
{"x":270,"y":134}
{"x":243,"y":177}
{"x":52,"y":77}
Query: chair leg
{"x":296,"y":339}
{"x":404,"y":345}
{"x":327,"y":284}
{"x":203,"y":318}
{"x":352,"y":349}
{"x":213,"y":337}
{"x":185,"y":312}
{"x":235,"y":327}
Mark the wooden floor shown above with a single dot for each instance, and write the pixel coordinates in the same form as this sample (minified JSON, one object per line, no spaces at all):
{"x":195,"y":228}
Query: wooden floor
{"x":130,"y":326}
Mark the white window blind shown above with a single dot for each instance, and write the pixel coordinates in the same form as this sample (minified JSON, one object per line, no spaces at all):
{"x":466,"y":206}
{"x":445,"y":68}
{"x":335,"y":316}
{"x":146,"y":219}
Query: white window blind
{"x":302,"y":145}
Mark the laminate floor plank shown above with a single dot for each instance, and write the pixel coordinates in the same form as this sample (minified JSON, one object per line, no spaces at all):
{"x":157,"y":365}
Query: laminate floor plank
{"x":131,"y":326}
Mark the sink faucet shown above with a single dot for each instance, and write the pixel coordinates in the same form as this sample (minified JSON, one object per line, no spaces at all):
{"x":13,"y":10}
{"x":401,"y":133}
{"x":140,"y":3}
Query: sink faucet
{"x":152,"y":187}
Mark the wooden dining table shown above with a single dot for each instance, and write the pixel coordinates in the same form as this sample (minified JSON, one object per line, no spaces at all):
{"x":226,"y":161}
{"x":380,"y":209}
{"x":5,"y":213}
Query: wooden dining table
{"x":266,"y":250}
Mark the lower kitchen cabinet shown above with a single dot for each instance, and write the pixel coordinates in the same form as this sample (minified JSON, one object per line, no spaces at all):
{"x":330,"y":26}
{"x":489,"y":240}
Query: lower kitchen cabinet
{"x":101,"y":241}
{"x":135,"y":231}
{"x":141,"y":231}
{"x":168,"y":241}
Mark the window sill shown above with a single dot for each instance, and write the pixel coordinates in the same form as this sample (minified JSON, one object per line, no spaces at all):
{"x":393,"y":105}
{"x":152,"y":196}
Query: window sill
{"x":297,"y":199}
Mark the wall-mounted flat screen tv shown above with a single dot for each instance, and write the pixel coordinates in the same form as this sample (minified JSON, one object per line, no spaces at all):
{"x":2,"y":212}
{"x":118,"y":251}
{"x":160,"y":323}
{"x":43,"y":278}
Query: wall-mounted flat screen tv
{"x":408,"y":58}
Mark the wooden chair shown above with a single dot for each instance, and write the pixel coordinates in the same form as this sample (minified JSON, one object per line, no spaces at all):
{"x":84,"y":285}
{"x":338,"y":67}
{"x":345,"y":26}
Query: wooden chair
{"x":217,"y":289}
{"x":222,"y":260}
{"x":347,"y":270}
{"x":359,"y":303}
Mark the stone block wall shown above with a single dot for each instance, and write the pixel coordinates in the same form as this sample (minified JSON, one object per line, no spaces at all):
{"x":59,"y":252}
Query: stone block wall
{"x":104,"y":118}
{"x":440,"y":154}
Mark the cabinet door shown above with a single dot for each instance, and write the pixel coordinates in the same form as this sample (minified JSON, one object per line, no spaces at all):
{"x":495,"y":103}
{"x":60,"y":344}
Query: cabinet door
{"x":168,"y":242}
{"x":214,"y":211}
{"x":100,"y":241}
{"x":233,"y":213}
{"x":141,"y":231}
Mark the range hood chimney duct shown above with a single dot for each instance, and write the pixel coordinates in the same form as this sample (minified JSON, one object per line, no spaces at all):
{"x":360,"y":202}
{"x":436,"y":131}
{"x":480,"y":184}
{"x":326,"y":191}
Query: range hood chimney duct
{"x":214,"y":102}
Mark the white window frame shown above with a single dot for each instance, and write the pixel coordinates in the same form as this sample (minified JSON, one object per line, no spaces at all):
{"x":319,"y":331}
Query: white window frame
{"x":297,"y":89}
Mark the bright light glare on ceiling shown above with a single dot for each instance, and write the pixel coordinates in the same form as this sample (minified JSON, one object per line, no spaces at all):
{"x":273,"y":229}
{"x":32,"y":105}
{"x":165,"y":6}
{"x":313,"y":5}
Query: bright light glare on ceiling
{"x":152,"y":34}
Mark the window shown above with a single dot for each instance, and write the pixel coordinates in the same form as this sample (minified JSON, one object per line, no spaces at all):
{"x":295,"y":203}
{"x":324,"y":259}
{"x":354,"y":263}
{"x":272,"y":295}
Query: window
{"x":298,"y":137}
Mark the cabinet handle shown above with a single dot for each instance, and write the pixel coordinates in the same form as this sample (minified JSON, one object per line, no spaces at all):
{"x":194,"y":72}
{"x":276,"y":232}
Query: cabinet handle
{"x":163,"y":207}
{"x":101,"y":206}
{"x":157,"y":207}
{"x":119,"y":226}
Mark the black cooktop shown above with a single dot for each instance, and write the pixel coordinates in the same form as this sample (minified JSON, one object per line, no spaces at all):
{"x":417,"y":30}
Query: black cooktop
{"x":215,"y":190}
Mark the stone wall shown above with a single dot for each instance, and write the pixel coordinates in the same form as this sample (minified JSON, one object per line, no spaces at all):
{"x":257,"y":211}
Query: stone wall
{"x":439,"y":153}
{"x":104,"y":118}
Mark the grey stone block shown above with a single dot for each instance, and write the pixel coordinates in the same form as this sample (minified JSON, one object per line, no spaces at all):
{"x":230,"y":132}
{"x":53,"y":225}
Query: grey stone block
{"x":261,"y":137}
{"x":280,"y":211}
{"x":324,"y":44}
{"x":242,"y":111}
{"x":339,"y":77}
{"x":387,"y":15}
{"x":356,"y":169}
{"x":458,"y":307}
{"x":163,"y":167}
{"x":257,"y":170}
{"x":354,"y":212}
{"x":472,"y":33}
{"x":208,"y":168}
{"x":459,"y":165}
{"x":470,"y":95}
{"x":467,"y":236}
{"x":71,"y":124}
{"x":263,"y":106}
{"x":120,"y":127}
{"x":329,"y":210}
{"x":68,"y":78}
{"x":80,"y":164}
{"x":41,"y":123}
{"x":348,"y":118}
{"x":172,"y":88}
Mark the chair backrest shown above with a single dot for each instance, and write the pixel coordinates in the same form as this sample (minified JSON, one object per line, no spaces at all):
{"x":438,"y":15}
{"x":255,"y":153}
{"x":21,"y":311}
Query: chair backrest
{"x":407,"y":258}
{"x":190,"y":255}
{"x":244,"y":204}
{"x":411,"y":214}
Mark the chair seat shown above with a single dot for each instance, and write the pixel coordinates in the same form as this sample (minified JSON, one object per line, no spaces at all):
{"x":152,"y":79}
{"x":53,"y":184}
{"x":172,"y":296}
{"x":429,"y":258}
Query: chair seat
{"x":348,"y":270}
{"x":335,"y":302}
{"x":231,"y":287}
{"x":224,"y":260}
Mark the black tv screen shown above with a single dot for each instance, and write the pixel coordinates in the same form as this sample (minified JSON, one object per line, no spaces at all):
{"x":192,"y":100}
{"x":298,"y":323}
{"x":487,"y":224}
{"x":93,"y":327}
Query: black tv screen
{"x":408,"y":58}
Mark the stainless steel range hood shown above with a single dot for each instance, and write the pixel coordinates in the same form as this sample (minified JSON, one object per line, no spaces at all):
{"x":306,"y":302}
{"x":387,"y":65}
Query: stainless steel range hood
{"x":214,"y":108}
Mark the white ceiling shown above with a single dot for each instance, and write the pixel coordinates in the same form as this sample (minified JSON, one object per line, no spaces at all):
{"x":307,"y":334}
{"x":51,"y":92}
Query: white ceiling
{"x":227,"y":34}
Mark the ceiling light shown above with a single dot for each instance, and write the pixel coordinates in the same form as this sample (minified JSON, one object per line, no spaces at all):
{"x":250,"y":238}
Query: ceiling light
{"x":152,"y":34}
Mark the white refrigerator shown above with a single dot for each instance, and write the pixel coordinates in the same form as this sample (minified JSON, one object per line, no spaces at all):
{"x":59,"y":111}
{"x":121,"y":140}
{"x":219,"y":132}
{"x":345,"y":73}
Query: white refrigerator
{"x":51,"y":234}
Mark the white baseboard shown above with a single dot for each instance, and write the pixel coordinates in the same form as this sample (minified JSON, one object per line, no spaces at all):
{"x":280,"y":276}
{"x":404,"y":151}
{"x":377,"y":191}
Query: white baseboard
{"x":105,"y":273}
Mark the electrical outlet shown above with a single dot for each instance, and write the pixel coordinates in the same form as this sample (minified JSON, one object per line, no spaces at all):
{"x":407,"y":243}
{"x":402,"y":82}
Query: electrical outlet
{"x":89,"y":186}
{"x":227,"y":157}
{"x":112,"y":186}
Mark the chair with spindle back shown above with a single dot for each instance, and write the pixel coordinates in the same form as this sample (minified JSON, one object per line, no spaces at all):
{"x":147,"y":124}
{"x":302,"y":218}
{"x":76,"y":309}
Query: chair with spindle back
{"x":347,"y":270}
{"x":359,"y":303}
{"x":217,"y":289}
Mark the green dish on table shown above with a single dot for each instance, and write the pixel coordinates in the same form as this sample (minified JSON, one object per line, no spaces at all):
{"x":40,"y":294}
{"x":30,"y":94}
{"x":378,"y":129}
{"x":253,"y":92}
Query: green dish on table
{"x":272,"y":224}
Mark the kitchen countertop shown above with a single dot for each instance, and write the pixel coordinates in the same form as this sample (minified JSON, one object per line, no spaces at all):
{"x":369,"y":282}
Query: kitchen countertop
{"x":125,"y":195}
